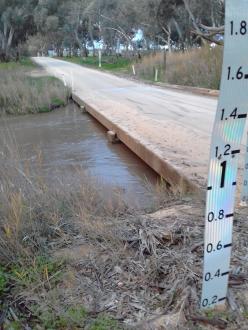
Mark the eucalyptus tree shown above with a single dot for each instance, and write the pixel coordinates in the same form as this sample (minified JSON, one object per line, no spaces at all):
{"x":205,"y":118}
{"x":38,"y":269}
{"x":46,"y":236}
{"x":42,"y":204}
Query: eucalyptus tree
{"x":16,"y":22}
{"x":79,"y":23}
{"x":49,"y":20}
{"x":205,"y":14}
{"x":211,"y":25}
{"x":116,"y":22}
{"x":185,"y":22}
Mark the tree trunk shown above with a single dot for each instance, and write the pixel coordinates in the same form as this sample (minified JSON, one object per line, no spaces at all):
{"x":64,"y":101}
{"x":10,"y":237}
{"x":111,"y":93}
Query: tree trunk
{"x":169,"y":38}
{"x":6,"y":38}
{"x":193,"y":20}
{"x":179,"y":32}
{"x":212,"y":14}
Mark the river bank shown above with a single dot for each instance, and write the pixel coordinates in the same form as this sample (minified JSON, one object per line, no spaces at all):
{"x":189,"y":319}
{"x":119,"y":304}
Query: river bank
{"x":22,"y":93}
{"x":54,"y":167}
{"x":85,"y":258}
{"x":70,"y":261}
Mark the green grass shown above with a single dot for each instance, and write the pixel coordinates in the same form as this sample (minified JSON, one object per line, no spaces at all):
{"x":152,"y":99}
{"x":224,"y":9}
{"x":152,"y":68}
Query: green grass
{"x":196,"y":67}
{"x":3,"y":280}
{"x":21,"y":93}
{"x":56,"y":102}
{"x":37,"y":273}
{"x":104,"y":323}
{"x":41,"y":82}
{"x":109,"y":63}
{"x":15,"y":325}
{"x":76,"y":317}
{"x":72,"y":318}
{"x":23,"y":63}
{"x":215,"y":314}
{"x":41,"y":269}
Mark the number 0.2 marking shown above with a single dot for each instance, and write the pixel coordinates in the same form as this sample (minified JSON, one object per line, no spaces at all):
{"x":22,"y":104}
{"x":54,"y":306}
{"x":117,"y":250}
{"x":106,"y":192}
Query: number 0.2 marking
{"x":208,"y":302}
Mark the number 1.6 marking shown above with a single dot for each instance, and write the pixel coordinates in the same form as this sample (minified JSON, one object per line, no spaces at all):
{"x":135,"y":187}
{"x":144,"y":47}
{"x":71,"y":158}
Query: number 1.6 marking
{"x":238,"y":74}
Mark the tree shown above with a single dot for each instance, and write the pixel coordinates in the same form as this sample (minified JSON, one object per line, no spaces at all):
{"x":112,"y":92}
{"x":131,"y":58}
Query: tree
{"x":76,"y":24}
{"x":16,"y":21}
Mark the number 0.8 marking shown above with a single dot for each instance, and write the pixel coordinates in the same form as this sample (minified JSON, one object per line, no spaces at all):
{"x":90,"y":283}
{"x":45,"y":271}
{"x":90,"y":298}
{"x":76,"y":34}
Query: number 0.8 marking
{"x":211,"y":216}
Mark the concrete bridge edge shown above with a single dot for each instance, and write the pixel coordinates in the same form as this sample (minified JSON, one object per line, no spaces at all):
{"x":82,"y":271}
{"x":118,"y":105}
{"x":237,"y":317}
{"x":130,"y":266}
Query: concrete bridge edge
{"x":177,"y":181}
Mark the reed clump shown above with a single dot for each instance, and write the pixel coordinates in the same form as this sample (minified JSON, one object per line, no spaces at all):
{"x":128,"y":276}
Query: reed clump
{"x":198,"y":67}
{"x":146,"y":67}
{"x":21,"y":93}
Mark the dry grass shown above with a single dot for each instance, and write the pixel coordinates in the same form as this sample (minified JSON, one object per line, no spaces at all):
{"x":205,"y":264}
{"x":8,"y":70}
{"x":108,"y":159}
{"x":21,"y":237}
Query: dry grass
{"x":196,"y":67}
{"x":32,"y":212}
{"x":150,"y":267}
{"x":36,"y":222}
{"x":21,"y":94}
{"x":145,"y":68}
{"x":34,"y":219}
{"x":62,"y":250}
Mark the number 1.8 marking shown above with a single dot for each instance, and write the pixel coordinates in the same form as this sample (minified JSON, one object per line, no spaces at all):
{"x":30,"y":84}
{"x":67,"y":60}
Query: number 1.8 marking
{"x":240,"y":30}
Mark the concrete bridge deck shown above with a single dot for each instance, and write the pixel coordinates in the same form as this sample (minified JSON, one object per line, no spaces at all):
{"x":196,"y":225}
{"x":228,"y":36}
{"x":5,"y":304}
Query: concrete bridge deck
{"x":170,"y":130}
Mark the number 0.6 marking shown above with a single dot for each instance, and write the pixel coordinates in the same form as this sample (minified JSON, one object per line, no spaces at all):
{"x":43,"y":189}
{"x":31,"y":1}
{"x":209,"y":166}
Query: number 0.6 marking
{"x":211,"y":248}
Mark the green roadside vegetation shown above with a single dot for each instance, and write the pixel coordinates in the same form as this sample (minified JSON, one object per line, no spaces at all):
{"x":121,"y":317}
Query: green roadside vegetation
{"x":22,"y":93}
{"x":199,"y":67}
{"x":24,"y":62}
{"x":109,"y":63}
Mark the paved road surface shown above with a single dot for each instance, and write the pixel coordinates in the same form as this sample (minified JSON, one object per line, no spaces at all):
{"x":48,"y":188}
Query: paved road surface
{"x":176,"y":125}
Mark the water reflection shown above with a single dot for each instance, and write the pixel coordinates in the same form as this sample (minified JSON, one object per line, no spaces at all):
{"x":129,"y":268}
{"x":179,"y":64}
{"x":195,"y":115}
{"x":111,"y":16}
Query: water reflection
{"x":64,"y":140}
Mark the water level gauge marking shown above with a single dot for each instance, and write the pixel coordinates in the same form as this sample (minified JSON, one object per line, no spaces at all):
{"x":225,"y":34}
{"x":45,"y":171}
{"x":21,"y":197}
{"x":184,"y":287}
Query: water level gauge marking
{"x":225,"y":150}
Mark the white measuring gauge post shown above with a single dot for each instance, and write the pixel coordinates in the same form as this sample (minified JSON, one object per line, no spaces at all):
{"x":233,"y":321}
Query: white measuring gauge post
{"x":225,"y":148}
{"x":244,"y":192}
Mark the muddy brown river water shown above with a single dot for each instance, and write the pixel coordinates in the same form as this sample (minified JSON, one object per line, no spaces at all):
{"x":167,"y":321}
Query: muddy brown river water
{"x":65,"y":140}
